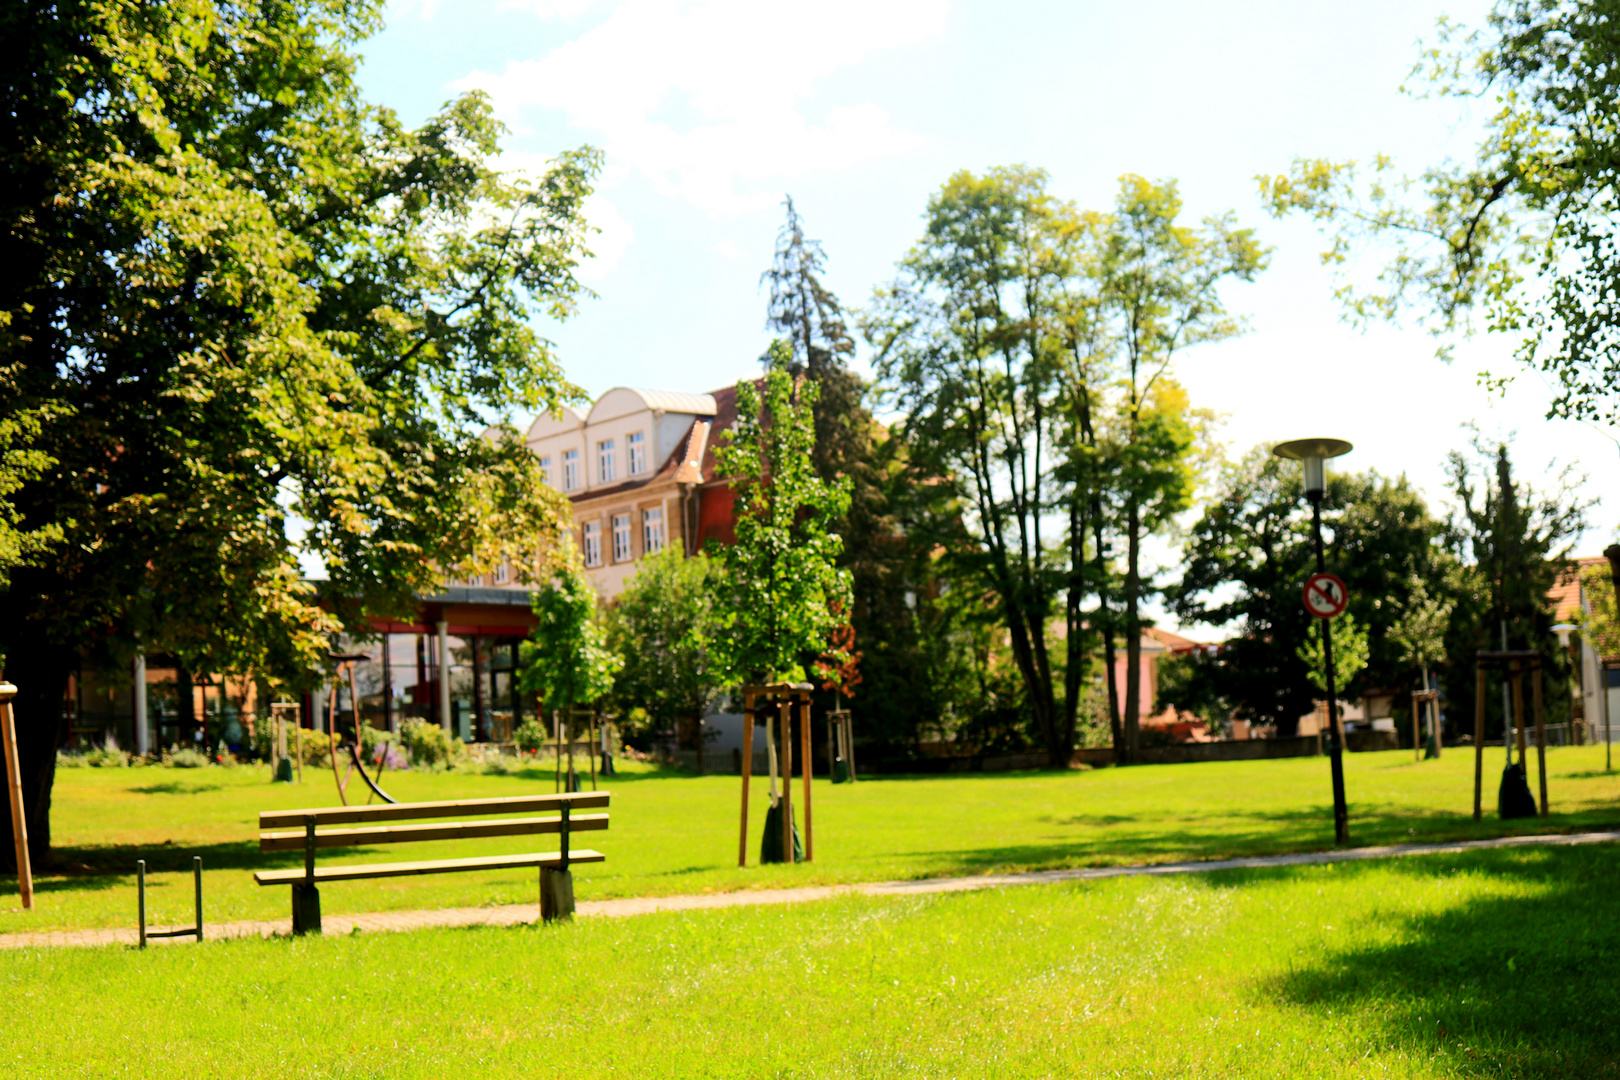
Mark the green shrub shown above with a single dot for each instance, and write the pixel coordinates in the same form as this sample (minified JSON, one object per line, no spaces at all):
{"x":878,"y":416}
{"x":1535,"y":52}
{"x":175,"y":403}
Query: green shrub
{"x":184,"y":757}
{"x":426,"y":744}
{"x":530,"y":736}
{"x":65,"y":760}
{"x":106,"y":756}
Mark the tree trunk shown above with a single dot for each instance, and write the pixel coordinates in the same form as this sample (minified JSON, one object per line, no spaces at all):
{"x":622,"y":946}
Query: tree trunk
{"x":186,"y":705}
{"x":40,"y":672}
{"x":1133,"y":636}
{"x":697,"y":727}
{"x":1105,"y":624}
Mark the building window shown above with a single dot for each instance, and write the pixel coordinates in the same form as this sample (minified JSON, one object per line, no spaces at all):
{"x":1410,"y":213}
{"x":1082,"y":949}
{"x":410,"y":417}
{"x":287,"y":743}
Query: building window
{"x":503,"y":574}
{"x":638,"y":453}
{"x":621,"y":537}
{"x":570,"y":470}
{"x":652,"y":531}
{"x":475,"y":581}
{"x":604,"y":461}
{"x":593,"y":543}
{"x":545,"y":470}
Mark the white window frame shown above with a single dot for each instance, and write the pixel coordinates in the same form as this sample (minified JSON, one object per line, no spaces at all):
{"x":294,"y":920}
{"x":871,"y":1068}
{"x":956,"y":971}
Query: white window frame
{"x":652,"y":530}
{"x":591,"y":542}
{"x":621,"y":538}
{"x":604,"y":461}
{"x":570,"y":460}
{"x":545,"y":469}
{"x":637,"y":444}
{"x":503,"y":574}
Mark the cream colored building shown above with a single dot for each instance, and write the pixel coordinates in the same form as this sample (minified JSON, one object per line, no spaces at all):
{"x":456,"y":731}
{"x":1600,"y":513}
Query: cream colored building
{"x":639,"y":470}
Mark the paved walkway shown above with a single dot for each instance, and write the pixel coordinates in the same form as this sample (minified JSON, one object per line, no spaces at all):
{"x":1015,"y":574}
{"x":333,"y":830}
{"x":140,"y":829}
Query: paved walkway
{"x":514,"y":914}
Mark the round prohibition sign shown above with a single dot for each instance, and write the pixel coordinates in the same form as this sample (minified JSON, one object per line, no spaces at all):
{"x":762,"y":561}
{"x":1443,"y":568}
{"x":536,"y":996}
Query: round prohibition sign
{"x":1325,"y":595}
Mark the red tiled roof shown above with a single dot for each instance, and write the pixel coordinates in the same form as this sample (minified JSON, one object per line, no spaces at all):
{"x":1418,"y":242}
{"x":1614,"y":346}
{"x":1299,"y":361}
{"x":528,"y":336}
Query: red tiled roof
{"x":1173,"y":642}
{"x":1566,"y":594}
{"x":725,"y":418}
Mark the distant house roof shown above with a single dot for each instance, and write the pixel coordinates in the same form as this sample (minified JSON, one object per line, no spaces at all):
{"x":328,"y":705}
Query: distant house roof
{"x":1173,"y":642}
{"x":624,"y":400}
{"x":1566,"y":594}
{"x":725,"y":418}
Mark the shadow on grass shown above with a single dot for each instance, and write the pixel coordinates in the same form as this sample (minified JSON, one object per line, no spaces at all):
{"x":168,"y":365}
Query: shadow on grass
{"x":1522,"y":986}
{"x":74,"y":865}
{"x":1174,"y":836}
{"x":174,"y":787}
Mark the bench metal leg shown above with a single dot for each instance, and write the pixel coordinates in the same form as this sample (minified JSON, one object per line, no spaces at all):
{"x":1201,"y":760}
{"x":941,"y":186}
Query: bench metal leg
{"x":306,"y":909}
{"x":556,"y":894}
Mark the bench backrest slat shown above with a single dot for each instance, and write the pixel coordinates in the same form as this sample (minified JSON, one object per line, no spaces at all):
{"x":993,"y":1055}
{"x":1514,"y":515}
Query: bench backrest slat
{"x":353,"y":815}
{"x":467,"y":830}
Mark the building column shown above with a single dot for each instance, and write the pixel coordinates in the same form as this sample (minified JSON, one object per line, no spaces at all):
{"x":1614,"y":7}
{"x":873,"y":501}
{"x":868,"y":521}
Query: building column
{"x":443,"y":629}
{"x":139,"y":688}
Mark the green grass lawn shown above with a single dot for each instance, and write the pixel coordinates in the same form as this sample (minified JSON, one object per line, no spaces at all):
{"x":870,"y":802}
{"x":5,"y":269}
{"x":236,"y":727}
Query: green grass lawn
{"x":678,"y":834}
{"x":1485,"y":964}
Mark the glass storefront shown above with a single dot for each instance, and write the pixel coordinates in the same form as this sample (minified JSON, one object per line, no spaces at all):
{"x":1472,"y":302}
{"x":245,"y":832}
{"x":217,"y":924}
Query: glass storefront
{"x":399,"y":680}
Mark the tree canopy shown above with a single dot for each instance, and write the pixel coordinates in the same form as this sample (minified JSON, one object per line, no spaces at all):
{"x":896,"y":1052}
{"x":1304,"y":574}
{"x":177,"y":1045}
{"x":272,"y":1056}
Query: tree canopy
{"x":665,"y":627}
{"x":783,"y":591}
{"x":246,"y":318}
{"x":1246,"y":560}
{"x":567,"y":660}
{"x":1521,"y":238}
{"x":1027,"y":344}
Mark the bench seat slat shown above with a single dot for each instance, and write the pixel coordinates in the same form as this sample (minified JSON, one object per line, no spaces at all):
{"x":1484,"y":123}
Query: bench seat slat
{"x":457,"y":830}
{"x":433,"y":866}
{"x":351,"y":815}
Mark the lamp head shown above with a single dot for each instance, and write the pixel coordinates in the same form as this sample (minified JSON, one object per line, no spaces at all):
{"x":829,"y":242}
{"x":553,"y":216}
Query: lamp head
{"x":1563,"y":630}
{"x":1313,"y":452}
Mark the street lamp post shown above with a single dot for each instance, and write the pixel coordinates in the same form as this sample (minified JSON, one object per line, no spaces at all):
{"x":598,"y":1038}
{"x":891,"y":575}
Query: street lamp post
{"x":1314,"y":454}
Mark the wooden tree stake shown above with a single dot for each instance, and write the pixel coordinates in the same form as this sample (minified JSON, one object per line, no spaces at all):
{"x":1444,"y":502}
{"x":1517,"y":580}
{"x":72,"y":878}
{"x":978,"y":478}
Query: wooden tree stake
{"x":805,"y":766}
{"x":1479,"y":735}
{"x":747,"y":775}
{"x":19,"y":824}
{"x":1541,"y":738}
{"x":786,"y":742}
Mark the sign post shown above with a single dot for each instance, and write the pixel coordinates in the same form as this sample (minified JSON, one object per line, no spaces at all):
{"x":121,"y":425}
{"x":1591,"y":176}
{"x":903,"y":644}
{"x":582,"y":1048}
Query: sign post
{"x":19,"y":824}
{"x":1325,"y":597}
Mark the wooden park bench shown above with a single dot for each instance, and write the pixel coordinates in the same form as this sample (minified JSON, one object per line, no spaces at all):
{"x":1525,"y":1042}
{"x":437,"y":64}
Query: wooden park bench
{"x":353,"y":826}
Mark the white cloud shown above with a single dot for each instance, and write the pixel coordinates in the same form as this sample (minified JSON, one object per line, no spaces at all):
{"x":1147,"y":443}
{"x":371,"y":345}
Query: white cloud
{"x":712,"y":99}
{"x":610,"y":243}
{"x":726,"y":250}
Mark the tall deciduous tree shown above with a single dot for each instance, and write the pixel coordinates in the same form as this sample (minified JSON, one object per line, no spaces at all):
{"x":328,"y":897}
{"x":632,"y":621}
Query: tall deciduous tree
{"x":1160,"y":285}
{"x":783,"y":592}
{"x":1029,"y":345}
{"x":962,"y":340}
{"x":233,"y":293}
{"x":665,"y":627}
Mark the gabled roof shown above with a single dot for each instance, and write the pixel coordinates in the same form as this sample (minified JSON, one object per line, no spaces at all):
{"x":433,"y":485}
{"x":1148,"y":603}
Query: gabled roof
{"x":565,"y":418}
{"x":624,"y":400}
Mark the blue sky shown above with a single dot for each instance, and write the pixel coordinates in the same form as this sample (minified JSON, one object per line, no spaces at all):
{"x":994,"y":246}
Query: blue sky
{"x":709,"y":112}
